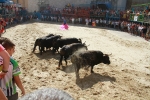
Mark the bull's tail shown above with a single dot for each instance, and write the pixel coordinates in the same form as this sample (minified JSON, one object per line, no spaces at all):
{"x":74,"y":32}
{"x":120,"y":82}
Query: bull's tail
{"x":60,"y":61}
{"x":35,"y":44}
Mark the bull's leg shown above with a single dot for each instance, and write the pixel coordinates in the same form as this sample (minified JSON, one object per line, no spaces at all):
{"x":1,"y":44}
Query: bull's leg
{"x":44,"y":49}
{"x":66,"y":57}
{"x":54,"y":50}
{"x":92,"y":69}
{"x":60,"y":61}
{"x":77,"y":67}
{"x":41,"y":50}
{"x":34,"y":48}
{"x":57,"y":49}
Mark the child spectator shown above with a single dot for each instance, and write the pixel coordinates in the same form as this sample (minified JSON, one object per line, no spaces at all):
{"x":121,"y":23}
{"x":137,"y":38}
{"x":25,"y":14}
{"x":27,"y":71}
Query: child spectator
{"x":11,"y":79}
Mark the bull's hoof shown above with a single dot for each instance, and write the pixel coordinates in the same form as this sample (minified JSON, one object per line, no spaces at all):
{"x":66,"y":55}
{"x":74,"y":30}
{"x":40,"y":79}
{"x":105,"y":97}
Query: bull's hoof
{"x":92,"y":71}
{"x":57,"y":68}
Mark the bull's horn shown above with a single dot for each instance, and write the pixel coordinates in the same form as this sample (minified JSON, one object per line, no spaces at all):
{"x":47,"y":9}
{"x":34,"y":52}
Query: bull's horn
{"x":88,"y":45}
{"x":109,"y":54}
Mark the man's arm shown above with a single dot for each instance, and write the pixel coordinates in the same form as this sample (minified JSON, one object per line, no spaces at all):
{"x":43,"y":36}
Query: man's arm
{"x":19,"y":84}
{"x":2,"y":96}
{"x":6,"y":59}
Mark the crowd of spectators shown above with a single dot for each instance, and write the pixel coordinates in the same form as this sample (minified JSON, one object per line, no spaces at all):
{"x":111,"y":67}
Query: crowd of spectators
{"x":104,"y":18}
{"x":139,"y":10}
{"x":12,"y":15}
{"x":116,"y":19}
{"x":50,"y":10}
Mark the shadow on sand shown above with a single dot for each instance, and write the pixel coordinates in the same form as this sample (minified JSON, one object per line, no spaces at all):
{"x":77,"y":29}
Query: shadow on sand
{"x":68,"y":69}
{"x":90,"y":80}
{"x":49,"y":54}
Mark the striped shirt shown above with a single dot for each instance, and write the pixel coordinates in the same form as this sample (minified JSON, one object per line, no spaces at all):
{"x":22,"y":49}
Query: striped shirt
{"x":7,"y":83}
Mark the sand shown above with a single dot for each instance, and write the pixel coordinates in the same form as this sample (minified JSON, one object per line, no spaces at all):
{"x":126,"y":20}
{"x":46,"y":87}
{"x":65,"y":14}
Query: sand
{"x":126,"y":78}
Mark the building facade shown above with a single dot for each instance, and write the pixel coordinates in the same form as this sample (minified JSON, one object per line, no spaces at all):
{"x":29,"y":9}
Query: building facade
{"x":24,"y":3}
{"x":32,"y":5}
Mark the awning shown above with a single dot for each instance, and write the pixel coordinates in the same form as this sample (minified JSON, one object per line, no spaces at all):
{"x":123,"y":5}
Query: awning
{"x":107,"y":4}
{"x":3,"y":1}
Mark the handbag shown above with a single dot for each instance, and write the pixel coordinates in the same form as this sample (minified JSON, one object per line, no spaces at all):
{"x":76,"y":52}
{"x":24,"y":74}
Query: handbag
{"x":13,"y":97}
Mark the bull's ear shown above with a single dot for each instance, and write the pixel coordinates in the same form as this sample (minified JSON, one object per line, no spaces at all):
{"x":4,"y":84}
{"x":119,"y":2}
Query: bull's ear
{"x":109,"y":54}
{"x":105,"y":55}
{"x":80,"y":39}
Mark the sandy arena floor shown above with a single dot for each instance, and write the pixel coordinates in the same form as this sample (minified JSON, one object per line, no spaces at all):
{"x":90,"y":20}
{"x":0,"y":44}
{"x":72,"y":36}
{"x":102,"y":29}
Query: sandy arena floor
{"x":126,"y":78}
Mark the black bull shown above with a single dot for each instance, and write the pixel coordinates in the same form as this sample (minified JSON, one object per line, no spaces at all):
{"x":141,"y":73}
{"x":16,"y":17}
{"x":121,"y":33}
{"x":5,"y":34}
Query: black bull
{"x":61,"y":42}
{"x":38,"y":41}
{"x":88,"y":58}
{"x":68,"y":50}
{"x":48,"y":42}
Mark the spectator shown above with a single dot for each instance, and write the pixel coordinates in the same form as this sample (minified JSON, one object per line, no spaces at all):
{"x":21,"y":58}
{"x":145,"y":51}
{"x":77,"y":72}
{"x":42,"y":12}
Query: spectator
{"x":64,"y":21}
{"x":72,"y":20}
{"x":148,"y":33}
{"x":140,"y":30}
{"x":129,"y":25}
{"x":144,"y":30}
{"x":11,"y":79}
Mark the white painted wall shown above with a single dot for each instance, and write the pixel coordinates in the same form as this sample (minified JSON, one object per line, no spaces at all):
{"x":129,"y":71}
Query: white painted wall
{"x":32,"y":5}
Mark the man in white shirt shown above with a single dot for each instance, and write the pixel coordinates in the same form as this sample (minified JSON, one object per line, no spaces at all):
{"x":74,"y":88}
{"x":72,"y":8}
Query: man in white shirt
{"x":140,"y":30}
{"x":72,"y":20}
{"x":97,"y":22}
{"x":87,"y":21}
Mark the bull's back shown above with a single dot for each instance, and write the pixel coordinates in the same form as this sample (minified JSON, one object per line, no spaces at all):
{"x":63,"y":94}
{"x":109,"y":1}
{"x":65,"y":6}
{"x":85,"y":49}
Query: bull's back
{"x":87,"y":57}
{"x":67,"y":41}
{"x":49,"y":35}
